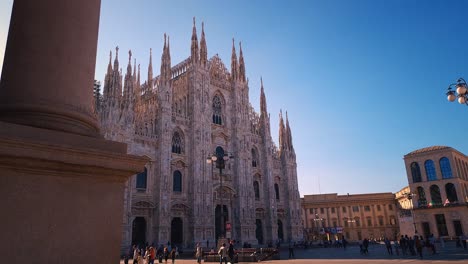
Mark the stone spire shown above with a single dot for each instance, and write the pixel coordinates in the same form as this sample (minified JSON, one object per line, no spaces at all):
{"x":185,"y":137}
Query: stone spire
{"x":282,"y":142}
{"x":194,"y":47}
{"x":288,"y":133}
{"x":134,"y":70}
{"x":234,"y":66}
{"x":128,"y":85}
{"x":263,"y":106}
{"x":241,"y":64}
{"x":165,"y":61}
{"x":116,"y":61}
{"x":109,"y":66}
{"x":150,"y":70}
{"x":203,"y":49}
{"x":138,"y":78}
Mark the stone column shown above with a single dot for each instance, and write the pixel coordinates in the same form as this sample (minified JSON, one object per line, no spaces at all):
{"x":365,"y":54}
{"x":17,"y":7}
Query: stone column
{"x":48,"y":70}
{"x":61,"y":183}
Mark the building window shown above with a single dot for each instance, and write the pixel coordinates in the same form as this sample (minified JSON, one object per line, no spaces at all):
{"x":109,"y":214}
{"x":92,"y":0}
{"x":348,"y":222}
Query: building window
{"x":381,"y":222}
{"x":430,"y":170}
{"x":176,"y":143}
{"x":141,"y":180}
{"x":367,"y":208}
{"x":333,"y":210}
{"x":378,"y":207}
{"x":355,"y":208}
{"x":445,"y":168}
{"x":441,"y":225}
{"x":392,"y":220}
{"x":358,"y":221}
{"x":217,"y":110}
{"x":277,"y":192}
{"x":359,"y":235}
{"x":344,"y":209}
{"x":369,"y":221}
{"x":254,"y":158}
{"x":177,"y":181}
{"x":311,"y":210}
{"x":322,"y":211}
{"x":416,"y":172}
{"x":334,"y":223}
{"x":451,"y":192}
{"x":390,"y":207}
{"x":421,"y":197}
{"x":345,"y":221}
{"x":256,"y":190}
{"x":435,"y":195}
{"x":347,"y":234}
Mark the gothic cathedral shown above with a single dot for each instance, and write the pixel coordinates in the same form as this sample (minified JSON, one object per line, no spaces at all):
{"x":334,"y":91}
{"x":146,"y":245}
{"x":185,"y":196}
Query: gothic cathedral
{"x":181,"y":119}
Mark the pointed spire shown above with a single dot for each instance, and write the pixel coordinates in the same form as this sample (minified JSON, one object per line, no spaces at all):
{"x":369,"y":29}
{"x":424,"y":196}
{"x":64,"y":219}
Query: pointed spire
{"x":129,"y":66}
{"x":281,"y":132}
{"x":134,"y":70}
{"x":109,"y":66}
{"x":194,"y":47}
{"x":116,"y":61}
{"x":138,"y":77}
{"x":203,"y":49}
{"x":288,"y":133}
{"x":234,"y":67}
{"x":263,"y":106}
{"x":241,"y":64}
{"x":150,"y":70}
{"x":166,"y":61}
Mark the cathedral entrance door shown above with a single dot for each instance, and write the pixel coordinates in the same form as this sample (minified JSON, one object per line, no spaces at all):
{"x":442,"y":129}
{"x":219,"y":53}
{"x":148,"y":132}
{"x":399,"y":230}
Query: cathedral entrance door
{"x":259,"y":231}
{"x":280,"y":230}
{"x":177,"y":231}
{"x":220,"y":227}
{"x":139,"y":231}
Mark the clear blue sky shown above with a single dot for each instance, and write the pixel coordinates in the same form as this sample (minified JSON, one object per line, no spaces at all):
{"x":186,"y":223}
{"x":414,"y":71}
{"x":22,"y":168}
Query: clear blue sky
{"x":363,"y":81}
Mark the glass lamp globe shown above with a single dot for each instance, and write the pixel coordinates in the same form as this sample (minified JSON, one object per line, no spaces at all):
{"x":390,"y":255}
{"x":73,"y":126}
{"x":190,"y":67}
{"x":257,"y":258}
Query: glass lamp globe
{"x":461,"y":100}
{"x":461,"y":89}
{"x":214,"y":158}
{"x":451,"y":97}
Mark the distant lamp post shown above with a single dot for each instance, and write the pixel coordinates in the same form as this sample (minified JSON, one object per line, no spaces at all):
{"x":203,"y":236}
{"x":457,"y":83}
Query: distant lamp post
{"x":219,"y":158}
{"x":461,"y":92}
{"x":410,"y":197}
{"x":318,"y":221}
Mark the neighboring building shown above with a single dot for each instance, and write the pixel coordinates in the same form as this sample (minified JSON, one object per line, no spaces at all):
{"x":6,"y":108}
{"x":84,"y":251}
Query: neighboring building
{"x":357,"y":216}
{"x":405,"y":208}
{"x":180,"y":118}
{"x":438,"y":177}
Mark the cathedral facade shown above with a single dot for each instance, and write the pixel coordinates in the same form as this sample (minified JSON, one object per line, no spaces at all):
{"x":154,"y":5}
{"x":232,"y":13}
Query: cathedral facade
{"x":180,"y":119}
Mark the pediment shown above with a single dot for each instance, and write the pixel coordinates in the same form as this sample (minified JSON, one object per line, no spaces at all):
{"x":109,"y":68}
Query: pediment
{"x":143,"y":204}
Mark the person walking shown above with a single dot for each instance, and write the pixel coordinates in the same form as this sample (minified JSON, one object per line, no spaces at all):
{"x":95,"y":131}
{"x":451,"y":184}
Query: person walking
{"x":419,"y":246}
{"x":222,"y":254}
{"x":231,"y":251}
{"x":166,"y":254}
{"x":388,"y":244}
{"x":199,"y":253}
{"x":291,"y":249}
{"x":173,"y":254}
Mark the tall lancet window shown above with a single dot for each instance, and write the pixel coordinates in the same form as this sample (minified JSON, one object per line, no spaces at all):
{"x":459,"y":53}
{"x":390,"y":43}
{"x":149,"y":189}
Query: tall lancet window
{"x":176,"y":143}
{"x":254,"y":158}
{"x":217,"y":110}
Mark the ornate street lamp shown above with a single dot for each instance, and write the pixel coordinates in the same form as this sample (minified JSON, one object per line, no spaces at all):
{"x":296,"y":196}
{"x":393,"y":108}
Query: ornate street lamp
{"x":219,"y":158}
{"x":460,"y":92}
{"x":410,"y":197}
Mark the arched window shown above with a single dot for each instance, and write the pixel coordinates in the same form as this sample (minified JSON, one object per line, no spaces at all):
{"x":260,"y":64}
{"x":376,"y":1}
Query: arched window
{"x":435,"y":195}
{"x":177,"y":181}
{"x":430,"y":170}
{"x":277,"y":191}
{"x":254,"y":158}
{"x":141,"y":180}
{"x":451,"y":192}
{"x":416,"y":172}
{"x":445,"y":168}
{"x":421,"y":197}
{"x":256,"y":190}
{"x":176,"y":143}
{"x":217,"y":110}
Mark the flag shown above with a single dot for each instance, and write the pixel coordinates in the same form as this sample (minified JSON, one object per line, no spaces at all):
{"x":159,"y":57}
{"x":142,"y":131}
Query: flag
{"x":447,"y":202}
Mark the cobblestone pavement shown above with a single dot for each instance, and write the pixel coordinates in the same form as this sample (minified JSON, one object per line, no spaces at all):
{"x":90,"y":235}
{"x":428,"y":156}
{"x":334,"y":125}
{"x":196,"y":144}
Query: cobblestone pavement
{"x":377,"y":254}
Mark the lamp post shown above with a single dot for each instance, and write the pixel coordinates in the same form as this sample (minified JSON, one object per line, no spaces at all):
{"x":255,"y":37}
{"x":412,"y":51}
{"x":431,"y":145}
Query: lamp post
{"x":318,"y":220}
{"x":219,"y":158}
{"x":461,"y":91}
{"x":410,"y":197}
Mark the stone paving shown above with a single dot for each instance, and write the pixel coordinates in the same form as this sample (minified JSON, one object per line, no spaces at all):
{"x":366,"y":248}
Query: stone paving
{"x":377,"y":254}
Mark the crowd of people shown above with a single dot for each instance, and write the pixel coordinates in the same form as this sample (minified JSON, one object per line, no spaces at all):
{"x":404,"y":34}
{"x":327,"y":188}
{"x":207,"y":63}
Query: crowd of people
{"x":149,"y":254}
